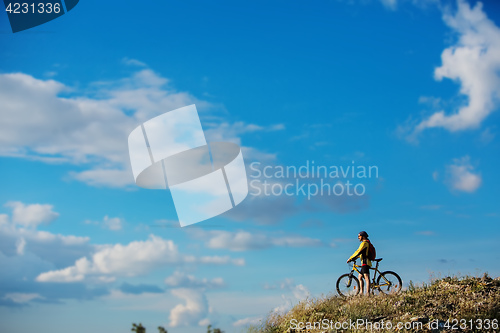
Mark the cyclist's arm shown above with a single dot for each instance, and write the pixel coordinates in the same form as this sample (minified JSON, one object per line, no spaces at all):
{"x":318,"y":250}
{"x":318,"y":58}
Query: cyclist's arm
{"x":358,"y":251}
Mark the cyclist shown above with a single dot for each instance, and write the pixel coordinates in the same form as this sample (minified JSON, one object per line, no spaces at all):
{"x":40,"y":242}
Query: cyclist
{"x":362,"y":252}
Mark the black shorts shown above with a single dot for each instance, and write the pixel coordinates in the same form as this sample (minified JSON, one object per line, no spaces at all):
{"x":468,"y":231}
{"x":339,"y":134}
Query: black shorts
{"x":365,"y":269}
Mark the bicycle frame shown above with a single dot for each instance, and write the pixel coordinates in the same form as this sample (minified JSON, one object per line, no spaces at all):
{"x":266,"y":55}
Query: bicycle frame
{"x":373,"y":284}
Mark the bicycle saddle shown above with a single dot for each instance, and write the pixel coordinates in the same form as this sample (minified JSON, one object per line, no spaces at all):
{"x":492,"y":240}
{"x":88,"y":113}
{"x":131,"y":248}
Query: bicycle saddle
{"x":380,"y":259}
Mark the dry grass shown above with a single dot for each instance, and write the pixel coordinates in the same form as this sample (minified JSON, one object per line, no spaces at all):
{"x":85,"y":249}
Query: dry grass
{"x":442,"y":299}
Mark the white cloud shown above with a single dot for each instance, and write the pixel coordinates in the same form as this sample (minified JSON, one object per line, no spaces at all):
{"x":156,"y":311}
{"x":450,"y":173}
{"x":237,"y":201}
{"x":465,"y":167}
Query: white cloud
{"x":221,"y":260}
{"x":20,"y":245}
{"x":179,"y":279}
{"x":135,"y":258}
{"x":244,"y":240}
{"x":284,"y":307}
{"x":18,"y":235}
{"x":248,"y":321}
{"x":193,"y":311}
{"x":113,"y":223}
{"x":4,"y":219}
{"x":133,"y":62}
{"x":232,"y":132}
{"x":474,"y":62}
{"x":461,"y":176}
{"x":81,"y":129}
{"x":299,"y":291}
{"x":22,"y":297}
{"x":204,"y":322}
{"x":104,"y":177}
{"x":31,"y":215}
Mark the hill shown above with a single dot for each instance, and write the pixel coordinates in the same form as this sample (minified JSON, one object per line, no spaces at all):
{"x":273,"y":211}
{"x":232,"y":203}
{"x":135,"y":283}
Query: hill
{"x":450,"y":304}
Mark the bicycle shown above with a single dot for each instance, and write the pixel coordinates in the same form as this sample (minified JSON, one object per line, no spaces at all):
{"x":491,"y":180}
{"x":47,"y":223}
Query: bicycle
{"x":388,"y":282}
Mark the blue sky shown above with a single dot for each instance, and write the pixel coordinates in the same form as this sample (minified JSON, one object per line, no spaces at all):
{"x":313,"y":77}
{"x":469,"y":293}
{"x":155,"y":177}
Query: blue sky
{"x":411,"y":87}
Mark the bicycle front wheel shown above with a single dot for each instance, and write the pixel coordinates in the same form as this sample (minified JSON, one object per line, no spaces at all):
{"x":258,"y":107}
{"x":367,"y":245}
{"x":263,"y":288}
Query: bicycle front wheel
{"x":348,"y":285}
{"x":389,"y":283}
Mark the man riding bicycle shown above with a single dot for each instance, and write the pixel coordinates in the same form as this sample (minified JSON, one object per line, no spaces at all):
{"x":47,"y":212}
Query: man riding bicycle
{"x":366,"y":263}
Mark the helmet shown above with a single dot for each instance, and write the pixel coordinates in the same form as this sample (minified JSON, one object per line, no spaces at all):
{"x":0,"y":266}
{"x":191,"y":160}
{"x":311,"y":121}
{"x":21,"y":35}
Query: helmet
{"x":363,"y":234}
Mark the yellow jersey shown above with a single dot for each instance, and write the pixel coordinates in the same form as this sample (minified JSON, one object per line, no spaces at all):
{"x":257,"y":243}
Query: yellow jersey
{"x":362,"y":252}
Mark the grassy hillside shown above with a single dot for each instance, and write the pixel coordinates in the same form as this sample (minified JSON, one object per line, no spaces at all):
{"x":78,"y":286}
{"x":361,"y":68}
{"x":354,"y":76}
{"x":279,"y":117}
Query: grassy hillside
{"x":451,"y":304}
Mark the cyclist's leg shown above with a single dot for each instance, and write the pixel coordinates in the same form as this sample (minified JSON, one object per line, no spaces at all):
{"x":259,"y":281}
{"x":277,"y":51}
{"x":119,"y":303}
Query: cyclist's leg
{"x":365,"y":277}
{"x":361,"y":284}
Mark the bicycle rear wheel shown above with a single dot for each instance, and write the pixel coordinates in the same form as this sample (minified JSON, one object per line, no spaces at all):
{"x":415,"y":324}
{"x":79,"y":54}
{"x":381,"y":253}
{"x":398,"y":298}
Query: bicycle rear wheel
{"x":347,"y":285}
{"x":389,"y":283}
